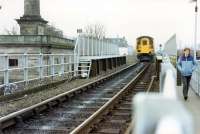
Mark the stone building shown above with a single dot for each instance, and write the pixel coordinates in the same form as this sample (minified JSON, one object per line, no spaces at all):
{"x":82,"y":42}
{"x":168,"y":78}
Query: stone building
{"x":36,"y":37}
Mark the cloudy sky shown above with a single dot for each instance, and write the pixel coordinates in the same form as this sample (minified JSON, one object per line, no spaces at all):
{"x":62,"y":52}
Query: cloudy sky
{"x":129,"y":18}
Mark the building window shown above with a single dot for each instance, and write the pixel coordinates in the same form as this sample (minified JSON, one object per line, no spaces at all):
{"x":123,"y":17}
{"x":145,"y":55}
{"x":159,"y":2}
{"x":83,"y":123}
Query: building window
{"x":13,"y":62}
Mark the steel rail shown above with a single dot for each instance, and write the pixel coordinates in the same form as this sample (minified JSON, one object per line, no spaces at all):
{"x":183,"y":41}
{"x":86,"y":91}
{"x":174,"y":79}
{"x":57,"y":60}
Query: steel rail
{"x":151,"y":83}
{"x":129,"y":130}
{"x":87,"y":124}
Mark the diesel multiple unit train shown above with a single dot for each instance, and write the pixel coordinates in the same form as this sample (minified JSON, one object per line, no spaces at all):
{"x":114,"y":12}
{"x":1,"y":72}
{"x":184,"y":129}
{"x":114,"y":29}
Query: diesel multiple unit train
{"x":145,"y":48}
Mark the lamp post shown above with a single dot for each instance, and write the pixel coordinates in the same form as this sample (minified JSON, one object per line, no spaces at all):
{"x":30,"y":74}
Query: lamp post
{"x":195,"y":28}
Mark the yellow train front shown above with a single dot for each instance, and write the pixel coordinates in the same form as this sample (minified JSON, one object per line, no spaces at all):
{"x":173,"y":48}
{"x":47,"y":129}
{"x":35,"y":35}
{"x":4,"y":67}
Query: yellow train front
{"x":145,"y":48}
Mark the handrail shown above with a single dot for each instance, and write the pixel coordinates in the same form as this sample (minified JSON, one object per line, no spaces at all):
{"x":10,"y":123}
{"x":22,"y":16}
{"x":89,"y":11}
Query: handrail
{"x":35,"y":67}
{"x":168,"y":123}
{"x":168,"y":79}
{"x":169,"y":87}
{"x":195,"y":79}
{"x":162,"y":113}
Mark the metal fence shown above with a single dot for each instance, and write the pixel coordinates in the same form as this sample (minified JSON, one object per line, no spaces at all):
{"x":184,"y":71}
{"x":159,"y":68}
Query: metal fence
{"x":195,"y":84}
{"x":90,"y":46}
{"x":23,"y":68}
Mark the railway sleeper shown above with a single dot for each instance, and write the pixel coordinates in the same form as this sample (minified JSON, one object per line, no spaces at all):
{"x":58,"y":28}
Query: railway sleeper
{"x":67,"y":124}
{"x":62,"y":99}
{"x":84,"y":89}
{"x":78,"y":91}
{"x":113,"y":124}
{"x":6,"y":124}
{"x":107,"y":131}
{"x":44,"y":129}
{"x":70,"y":95}
{"x":40,"y":109}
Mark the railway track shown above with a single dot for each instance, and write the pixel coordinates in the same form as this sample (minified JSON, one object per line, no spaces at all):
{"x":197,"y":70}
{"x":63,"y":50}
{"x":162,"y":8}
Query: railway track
{"x":115,"y":116}
{"x":65,"y":112}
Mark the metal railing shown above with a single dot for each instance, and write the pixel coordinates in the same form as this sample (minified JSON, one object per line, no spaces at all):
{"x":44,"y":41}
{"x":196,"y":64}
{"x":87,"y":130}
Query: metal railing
{"x":90,"y":46}
{"x":162,"y":113}
{"x":23,"y":68}
{"x":168,"y":78}
{"x":195,"y":80}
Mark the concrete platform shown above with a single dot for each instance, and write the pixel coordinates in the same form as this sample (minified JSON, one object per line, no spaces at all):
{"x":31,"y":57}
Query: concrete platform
{"x":193,"y":105}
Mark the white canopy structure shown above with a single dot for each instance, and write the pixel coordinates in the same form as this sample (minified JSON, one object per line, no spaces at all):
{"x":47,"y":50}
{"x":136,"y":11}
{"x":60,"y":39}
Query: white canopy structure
{"x":170,"y":47}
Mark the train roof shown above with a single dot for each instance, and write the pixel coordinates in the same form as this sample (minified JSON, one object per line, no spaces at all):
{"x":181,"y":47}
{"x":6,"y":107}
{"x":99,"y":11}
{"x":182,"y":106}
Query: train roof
{"x":145,"y":37}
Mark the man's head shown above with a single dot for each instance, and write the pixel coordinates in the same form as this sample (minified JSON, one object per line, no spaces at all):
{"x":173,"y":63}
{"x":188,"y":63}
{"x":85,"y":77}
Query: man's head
{"x":187,"y":51}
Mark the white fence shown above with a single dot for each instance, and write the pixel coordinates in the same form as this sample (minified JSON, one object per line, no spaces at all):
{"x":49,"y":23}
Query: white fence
{"x":23,"y":68}
{"x":90,"y":46}
{"x":195,"y":81}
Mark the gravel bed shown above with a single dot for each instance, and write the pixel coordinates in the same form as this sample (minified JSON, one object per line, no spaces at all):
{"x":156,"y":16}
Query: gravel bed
{"x":31,"y":99}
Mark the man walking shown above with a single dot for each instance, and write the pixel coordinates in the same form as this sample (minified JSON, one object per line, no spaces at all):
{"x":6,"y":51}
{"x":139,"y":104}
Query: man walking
{"x":186,"y":65}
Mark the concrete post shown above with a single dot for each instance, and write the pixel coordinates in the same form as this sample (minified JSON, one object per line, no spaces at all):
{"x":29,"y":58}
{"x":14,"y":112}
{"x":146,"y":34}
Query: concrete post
{"x":41,"y":66}
{"x":6,"y":72}
{"x":31,"y":7}
{"x":25,"y":68}
{"x":62,"y":65}
{"x":31,"y":22}
{"x":52,"y":66}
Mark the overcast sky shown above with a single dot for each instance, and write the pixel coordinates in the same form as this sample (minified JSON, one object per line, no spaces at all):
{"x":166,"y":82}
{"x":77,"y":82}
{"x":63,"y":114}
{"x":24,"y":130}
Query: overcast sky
{"x":130,"y":18}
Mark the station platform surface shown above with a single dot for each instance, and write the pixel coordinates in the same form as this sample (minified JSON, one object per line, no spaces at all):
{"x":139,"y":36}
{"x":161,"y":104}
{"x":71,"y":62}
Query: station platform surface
{"x":193,"y":106}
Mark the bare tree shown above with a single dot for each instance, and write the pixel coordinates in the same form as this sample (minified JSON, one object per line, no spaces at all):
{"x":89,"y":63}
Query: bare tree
{"x":13,"y":31}
{"x":96,"y":30}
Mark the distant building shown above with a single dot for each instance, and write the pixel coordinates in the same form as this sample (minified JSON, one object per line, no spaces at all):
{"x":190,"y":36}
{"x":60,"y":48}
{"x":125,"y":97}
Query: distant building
{"x":122,"y":42}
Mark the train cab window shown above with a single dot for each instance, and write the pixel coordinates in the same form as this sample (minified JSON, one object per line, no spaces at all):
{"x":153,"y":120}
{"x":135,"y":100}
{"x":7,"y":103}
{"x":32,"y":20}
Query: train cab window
{"x":138,"y":43}
{"x":144,"y":42}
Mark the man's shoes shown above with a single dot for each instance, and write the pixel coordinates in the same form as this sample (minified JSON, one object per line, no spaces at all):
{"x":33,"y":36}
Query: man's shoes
{"x":185,"y":98}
